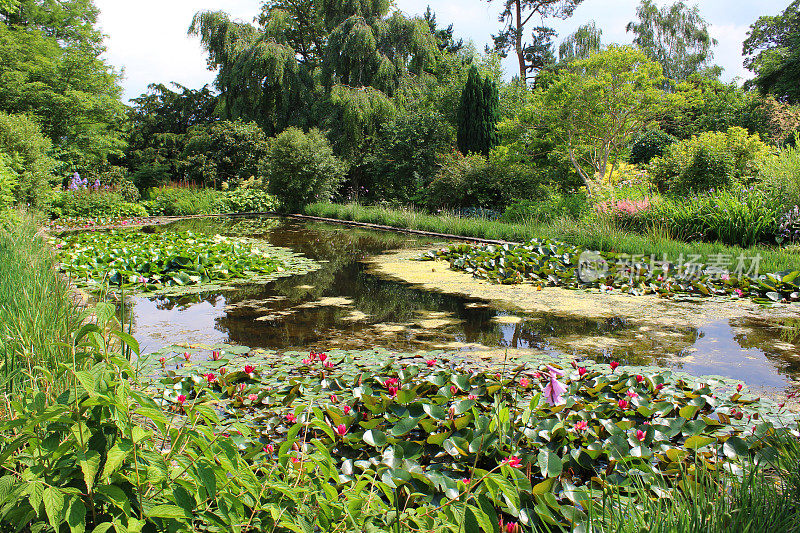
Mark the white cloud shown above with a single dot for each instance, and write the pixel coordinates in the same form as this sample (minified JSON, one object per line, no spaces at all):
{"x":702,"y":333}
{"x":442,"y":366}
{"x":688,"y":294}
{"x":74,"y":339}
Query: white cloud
{"x":150,"y":42}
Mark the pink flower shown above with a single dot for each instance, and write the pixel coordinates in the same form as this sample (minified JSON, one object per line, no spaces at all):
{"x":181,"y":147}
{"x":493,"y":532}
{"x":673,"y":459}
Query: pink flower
{"x":466,"y":481}
{"x":334,"y":399}
{"x":249,"y":369}
{"x":341,"y":430}
{"x":726,"y":277}
{"x":524,"y":382}
{"x":581,"y":426}
{"x":253,"y":397}
{"x":347,"y":409}
{"x":640,"y":435}
{"x":393,"y":391}
{"x":269,"y":448}
{"x":472,"y":397}
{"x":211,"y":378}
{"x":623,"y":404}
{"x":312,"y":356}
{"x":223,"y":371}
{"x":306,"y":362}
{"x":291,"y":418}
{"x":739,"y":292}
{"x":613,"y":365}
{"x":391,"y":382}
{"x":739,"y":387}
{"x":632,"y":394}
{"x":512,"y":461}
{"x":242,"y":386}
{"x":187,"y":355}
{"x":322,"y":357}
{"x":431,"y":362}
{"x":162,"y":360}
{"x":574,"y":364}
{"x":659,"y":386}
{"x":639,"y":378}
{"x":581,"y":371}
{"x":328,"y":364}
{"x":453,"y":389}
{"x":555,"y":389}
{"x":295,"y":460}
{"x":182,"y":398}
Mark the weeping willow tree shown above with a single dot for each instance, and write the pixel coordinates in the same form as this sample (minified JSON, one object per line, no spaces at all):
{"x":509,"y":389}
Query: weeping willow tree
{"x":579,"y":45}
{"x":311,"y":60}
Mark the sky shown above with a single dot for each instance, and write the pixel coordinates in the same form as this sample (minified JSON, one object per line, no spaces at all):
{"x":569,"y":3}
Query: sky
{"x":149,"y":42}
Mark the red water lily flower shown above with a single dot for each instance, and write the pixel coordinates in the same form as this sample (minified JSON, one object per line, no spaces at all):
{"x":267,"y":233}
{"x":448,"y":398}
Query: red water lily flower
{"x":466,"y":481}
{"x":391,"y":382}
{"x":632,"y":394}
{"x":341,"y":430}
{"x":347,"y":409}
{"x":739,"y":387}
{"x":162,"y":360}
{"x":306,"y":362}
{"x":215,"y":355}
{"x":639,"y":378}
{"x":291,"y":418}
{"x":659,"y":386}
{"x":623,"y":404}
{"x":328,"y":364}
{"x":181,"y":398}
{"x":431,"y":362}
{"x":223,"y":371}
{"x":524,"y":382}
{"x":640,"y":435}
{"x":249,"y":369}
{"x":581,"y":426}
{"x":581,"y":371}
{"x":472,"y":397}
{"x":187,"y":355}
{"x":613,"y":365}
{"x":269,"y":448}
{"x":393,"y":391}
{"x":334,"y":399}
{"x":322,"y":357}
{"x":513,"y":461}
{"x":253,"y":397}
{"x":211,"y":378}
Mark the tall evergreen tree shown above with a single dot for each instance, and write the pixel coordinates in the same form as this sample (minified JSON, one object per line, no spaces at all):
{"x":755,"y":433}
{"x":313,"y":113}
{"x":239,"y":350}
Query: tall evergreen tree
{"x":478,"y":115}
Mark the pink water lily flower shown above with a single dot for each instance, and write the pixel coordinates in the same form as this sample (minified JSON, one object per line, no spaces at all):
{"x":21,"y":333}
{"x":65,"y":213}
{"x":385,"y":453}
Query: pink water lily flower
{"x":306,"y":362}
{"x":181,"y":398}
{"x":430,"y":362}
{"x":639,"y":378}
{"x":581,"y":426}
{"x":249,"y":369}
{"x":613,"y":365}
{"x":472,"y":397}
{"x":253,"y":397}
{"x":347,"y":409}
{"x":555,"y":389}
{"x":291,"y":418}
{"x":334,"y":398}
{"x":341,"y":430}
{"x":269,"y":448}
{"x":513,"y":461}
{"x":581,"y":371}
{"x":328,"y":364}
{"x":524,"y":382}
{"x":453,"y":389}
{"x":623,"y":404}
{"x":640,"y":435}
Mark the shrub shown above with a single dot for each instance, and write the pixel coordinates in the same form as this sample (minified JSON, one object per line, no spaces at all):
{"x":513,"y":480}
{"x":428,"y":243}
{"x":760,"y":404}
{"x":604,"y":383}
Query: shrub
{"x":404,"y":158}
{"x":301,"y":168}
{"x":554,"y":205}
{"x":710,"y":160}
{"x":90,"y":203}
{"x":649,"y":144}
{"x":780,"y":177}
{"x":21,"y":139}
{"x":450,"y":187}
{"x":9,"y":180}
{"x":118,"y":179}
{"x":174,"y":200}
{"x":245,"y":200}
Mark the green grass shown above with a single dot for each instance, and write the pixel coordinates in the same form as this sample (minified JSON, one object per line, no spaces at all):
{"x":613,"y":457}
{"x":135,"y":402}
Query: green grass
{"x":596,"y":234}
{"x":37,"y":315}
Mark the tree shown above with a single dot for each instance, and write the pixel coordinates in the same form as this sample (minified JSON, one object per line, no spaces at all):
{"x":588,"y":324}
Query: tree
{"x":596,"y":106}
{"x":478,"y":115}
{"x":772,"y":52}
{"x":586,"y":40}
{"x":27,"y":156}
{"x":444,"y":37}
{"x":51,"y":67}
{"x":538,"y":53}
{"x":676,"y":36}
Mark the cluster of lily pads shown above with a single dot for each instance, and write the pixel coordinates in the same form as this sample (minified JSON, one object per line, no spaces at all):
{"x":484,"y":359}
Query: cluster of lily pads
{"x":556,"y":264}
{"x":539,"y":441}
{"x":171,"y":262}
{"x":81,"y":223}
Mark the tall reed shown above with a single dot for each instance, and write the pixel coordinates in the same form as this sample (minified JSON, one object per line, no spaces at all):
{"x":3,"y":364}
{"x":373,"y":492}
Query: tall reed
{"x":37,"y":314}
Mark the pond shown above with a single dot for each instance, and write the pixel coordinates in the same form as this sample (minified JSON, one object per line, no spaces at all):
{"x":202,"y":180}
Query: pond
{"x":346,"y":305}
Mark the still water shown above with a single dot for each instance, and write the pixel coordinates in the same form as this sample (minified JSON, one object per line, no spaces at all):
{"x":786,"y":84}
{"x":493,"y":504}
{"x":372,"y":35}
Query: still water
{"x":344,"y":305}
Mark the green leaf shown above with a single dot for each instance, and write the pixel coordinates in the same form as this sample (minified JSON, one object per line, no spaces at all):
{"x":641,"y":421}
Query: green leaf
{"x":550,"y":464}
{"x":698,"y":441}
{"x":76,"y":519}
{"x":404,"y":426}
{"x":735,"y":447}
{"x":90,"y":464}
{"x":116,"y":456}
{"x":167,"y":511}
{"x":375,"y":437}
{"x":54,"y":506}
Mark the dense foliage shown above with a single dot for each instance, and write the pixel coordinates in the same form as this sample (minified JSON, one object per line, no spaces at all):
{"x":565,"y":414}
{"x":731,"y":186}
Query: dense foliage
{"x":478,"y":114}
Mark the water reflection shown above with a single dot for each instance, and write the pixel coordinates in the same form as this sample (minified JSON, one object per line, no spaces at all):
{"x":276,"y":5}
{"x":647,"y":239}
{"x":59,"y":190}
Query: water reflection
{"x":344,"y":305}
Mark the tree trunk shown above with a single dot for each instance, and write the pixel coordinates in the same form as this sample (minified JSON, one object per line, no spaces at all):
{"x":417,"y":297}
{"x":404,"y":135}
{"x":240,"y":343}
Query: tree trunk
{"x":523,"y":69}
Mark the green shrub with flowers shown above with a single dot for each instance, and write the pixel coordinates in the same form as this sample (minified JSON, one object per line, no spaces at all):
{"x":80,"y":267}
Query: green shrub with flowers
{"x":223,"y":438}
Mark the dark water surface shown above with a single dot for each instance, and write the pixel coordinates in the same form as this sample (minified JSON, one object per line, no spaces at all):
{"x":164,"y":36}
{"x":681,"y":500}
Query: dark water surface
{"x":343,"y":305}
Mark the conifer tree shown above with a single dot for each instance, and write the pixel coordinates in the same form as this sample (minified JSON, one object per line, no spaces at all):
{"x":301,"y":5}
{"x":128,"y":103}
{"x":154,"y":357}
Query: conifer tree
{"x":478,"y":115}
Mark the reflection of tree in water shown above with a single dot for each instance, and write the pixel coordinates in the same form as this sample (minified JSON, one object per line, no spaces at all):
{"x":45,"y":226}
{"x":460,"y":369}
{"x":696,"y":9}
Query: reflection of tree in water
{"x":764,"y":335}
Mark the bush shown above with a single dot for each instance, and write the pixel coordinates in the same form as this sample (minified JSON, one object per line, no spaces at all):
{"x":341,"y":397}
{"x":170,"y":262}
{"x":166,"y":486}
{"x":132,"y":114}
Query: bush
{"x":9,"y":180}
{"x":173,"y":200}
{"x":709,"y":161}
{"x":117,"y":178}
{"x":302,"y":169}
{"x":404,"y":159}
{"x":553,"y":206}
{"x":450,"y":187}
{"x":649,"y":144}
{"x":780,"y":177}
{"x":244,"y":200}
{"x":89,"y":203}
{"x":224,"y":151}
{"x":22,"y":141}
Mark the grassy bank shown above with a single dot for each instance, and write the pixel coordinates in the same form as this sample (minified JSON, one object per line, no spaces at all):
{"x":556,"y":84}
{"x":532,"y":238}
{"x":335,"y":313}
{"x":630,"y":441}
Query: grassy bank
{"x":596,"y":235}
{"x":36,"y":313}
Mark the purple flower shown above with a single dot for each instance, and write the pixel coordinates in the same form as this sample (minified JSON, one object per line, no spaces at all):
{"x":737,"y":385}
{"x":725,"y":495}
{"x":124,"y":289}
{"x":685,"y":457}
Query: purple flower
{"x":555,"y":389}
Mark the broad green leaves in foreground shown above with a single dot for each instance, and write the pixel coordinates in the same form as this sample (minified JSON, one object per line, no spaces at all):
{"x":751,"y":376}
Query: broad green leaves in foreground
{"x":168,"y":262}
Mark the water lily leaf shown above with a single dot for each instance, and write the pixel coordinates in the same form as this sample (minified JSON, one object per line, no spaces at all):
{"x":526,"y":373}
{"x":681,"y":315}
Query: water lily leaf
{"x":549,"y":464}
{"x":698,"y":441}
{"x":375,"y":437}
{"x":735,"y":447}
